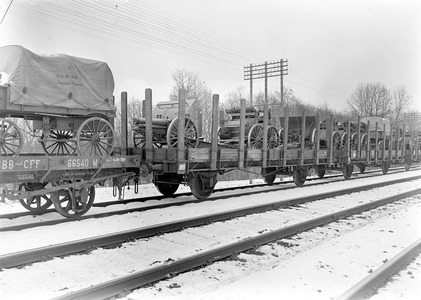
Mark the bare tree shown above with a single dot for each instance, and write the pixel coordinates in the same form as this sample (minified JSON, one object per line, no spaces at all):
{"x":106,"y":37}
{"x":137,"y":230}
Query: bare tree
{"x":402,"y":103}
{"x":371,"y":100}
{"x":189,"y":81}
{"x":197,"y":89}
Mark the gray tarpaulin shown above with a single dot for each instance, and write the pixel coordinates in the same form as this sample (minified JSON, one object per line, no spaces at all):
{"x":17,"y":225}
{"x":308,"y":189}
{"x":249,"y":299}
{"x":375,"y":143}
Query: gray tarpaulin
{"x":57,"y":80}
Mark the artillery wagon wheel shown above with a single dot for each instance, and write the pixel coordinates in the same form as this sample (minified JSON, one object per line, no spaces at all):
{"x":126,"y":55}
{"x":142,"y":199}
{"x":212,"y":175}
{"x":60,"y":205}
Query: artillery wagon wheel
{"x":191,"y":139}
{"x":281,"y":135}
{"x":364,"y":142}
{"x":139,"y":140}
{"x":11,"y":138}
{"x":35,"y":204}
{"x":255,"y":137}
{"x":58,"y":143}
{"x":95,"y":136}
{"x":72,"y":202}
{"x":353,"y":141}
{"x":336,"y":141}
{"x":273,"y":137}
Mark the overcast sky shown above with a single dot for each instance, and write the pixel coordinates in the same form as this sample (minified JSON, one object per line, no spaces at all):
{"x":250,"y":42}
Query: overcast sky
{"x":331,"y":45}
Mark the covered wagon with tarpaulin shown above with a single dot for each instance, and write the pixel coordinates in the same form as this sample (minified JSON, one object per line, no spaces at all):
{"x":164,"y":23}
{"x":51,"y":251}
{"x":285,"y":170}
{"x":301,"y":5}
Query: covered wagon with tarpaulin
{"x":65,"y":101}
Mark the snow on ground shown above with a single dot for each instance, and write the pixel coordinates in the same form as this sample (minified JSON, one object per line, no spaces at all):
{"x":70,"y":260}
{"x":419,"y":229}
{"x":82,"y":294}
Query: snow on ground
{"x":320,"y":264}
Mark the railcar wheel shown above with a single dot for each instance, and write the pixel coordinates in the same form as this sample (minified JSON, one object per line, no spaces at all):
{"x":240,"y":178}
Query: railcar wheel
{"x":255,"y":137}
{"x":35,"y":204}
{"x":73,"y":203}
{"x":347,"y":171}
{"x":58,"y":143}
{"x":269,"y":179}
{"x":11,"y":138}
{"x":273,"y":137}
{"x":95,"y":136}
{"x":191,"y":139}
{"x":320,"y":171}
{"x":385,"y":167}
{"x":361,"y":167}
{"x":202,"y":187}
{"x":299,"y":176}
{"x":139,"y":141}
{"x":167,"y":189}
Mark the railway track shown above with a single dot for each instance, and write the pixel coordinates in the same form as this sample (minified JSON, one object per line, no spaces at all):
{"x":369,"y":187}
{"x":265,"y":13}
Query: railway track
{"x":259,"y":189}
{"x":121,"y":285}
{"x":370,"y":284}
{"x":291,"y":209}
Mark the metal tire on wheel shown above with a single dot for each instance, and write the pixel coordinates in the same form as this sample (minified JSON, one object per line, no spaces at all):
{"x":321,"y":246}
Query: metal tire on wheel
{"x":255,"y":137}
{"x":95,"y":136}
{"x":299,"y":176}
{"x":191,"y":138}
{"x":11,"y":138}
{"x":167,"y":189}
{"x":73,"y":203}
{"x":35,"y":204}
{"x":58,"y":143}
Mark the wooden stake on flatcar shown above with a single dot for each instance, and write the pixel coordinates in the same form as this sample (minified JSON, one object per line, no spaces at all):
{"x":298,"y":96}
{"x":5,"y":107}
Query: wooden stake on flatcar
{"x":181,"y":130}
{"x":368,"y":151}
{"x":242,"y":133}
{"x":124,"y":144}
{"x":148,"y":125}
{"x":303,"y":137}
{"x":376,"y":138}
{"x":215,"y":123}
{"x":285,"y":138}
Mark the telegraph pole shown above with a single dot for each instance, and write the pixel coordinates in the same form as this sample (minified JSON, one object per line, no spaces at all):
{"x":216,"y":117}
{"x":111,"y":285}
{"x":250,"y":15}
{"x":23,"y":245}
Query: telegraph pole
{"x":284,"y":71}
{"x":265,"y":70}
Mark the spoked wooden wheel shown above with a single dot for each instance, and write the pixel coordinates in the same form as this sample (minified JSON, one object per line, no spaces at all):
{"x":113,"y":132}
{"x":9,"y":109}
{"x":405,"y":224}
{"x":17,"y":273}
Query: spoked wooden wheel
{"x":95,"y":136}
{"x":35,"y":204}
{"x":59,"y":143}
{"x":139,"y":141}
{"x":364,"y":142}
{"x":11,"y":138}
{"x":191,"y":138}
{"x":336,"y":141}
{"x":273,"y":137}
{"x":255,"y":137}
{"x":72,"y":203}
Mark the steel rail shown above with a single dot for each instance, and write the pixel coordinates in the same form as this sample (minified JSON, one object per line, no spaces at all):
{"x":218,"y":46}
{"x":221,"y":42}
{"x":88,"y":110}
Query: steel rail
{"x":367,"y":286}
{"x":122,"y":285}
{"x":157,"y":206}
{"x":43,"y":253}
{"x":160,"y":197}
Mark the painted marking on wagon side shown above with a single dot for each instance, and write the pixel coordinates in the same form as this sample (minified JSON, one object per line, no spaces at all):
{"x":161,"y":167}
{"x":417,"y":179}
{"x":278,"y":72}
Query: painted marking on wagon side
{"x":26,"y":164}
